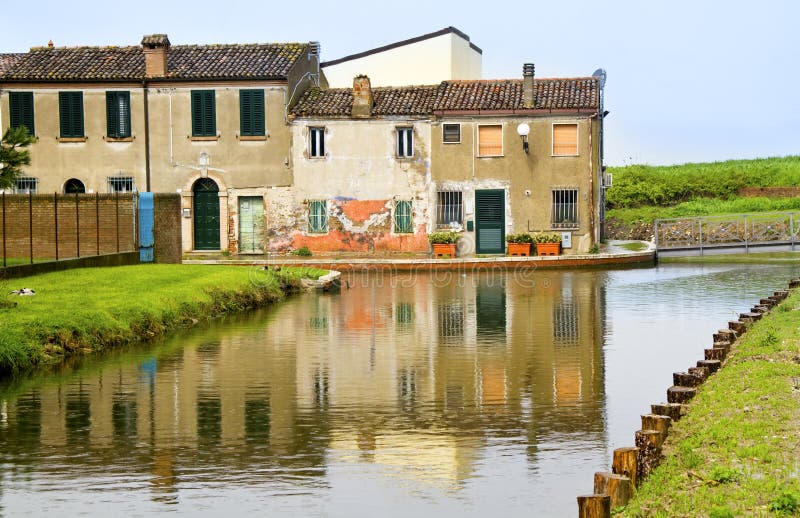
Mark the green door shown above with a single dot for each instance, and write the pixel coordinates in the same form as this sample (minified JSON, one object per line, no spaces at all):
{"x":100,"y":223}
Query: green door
{"x":490,"y":220}
{"x":251,"y":225}
{"x":206,"y":214}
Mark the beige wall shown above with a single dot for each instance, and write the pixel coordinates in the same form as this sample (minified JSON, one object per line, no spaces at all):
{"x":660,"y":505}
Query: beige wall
{"x":425,"y":62}
{"x":457,"y":166}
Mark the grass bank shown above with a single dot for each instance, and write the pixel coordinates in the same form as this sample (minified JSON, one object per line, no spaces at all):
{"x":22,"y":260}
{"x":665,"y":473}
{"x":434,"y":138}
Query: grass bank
{"x":84,"y":310}
{"x":737,"y":451}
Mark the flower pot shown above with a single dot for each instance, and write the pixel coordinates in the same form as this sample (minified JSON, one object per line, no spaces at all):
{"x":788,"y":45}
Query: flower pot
{"x":521,"y":249}
{"x":548,"y":248}
{"x":444,"y":250}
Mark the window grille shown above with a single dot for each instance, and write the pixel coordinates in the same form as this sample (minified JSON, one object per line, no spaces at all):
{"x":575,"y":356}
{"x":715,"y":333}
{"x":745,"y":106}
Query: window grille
{"x":120,"y":184}
{"x":318,"y":216}
{"x":26,"y":185}
{"x":450,"y":316}
{"x":405,"y":142}
{"x":564,"y":210}
{"x":449,"y":209}
{"x":402,"y":217}
{"x":316,"y":142}
{"x":451,"y":133}
{"x":565,"y":324}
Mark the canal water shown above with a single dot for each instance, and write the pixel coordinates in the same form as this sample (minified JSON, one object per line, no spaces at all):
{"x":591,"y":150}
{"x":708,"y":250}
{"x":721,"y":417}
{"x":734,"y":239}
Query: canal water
{"x":441,"y":394}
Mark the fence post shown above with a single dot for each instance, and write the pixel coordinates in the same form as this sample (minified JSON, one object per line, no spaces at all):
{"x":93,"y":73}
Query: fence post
{"x":55,"y":219}
{"x":77,"y":225}
{"x":97,"y":219}
{"x":700,"y":231}
{"x":117,"y":208}
{"x":30,"y":222}
{"x":791,"y":229}
{"x":4,"y":229}
{"x":746,"y":235}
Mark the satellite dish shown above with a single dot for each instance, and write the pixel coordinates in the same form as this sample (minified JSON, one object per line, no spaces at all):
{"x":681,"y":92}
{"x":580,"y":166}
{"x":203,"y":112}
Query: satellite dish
{"x":600,"y":74}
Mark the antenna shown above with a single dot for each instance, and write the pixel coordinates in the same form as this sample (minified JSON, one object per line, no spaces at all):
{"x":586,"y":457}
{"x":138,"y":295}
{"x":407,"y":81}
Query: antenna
{"x":600,"y":74}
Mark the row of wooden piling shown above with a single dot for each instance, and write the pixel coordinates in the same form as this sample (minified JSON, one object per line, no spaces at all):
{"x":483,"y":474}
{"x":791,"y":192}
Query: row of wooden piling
{"x":631,"y":465}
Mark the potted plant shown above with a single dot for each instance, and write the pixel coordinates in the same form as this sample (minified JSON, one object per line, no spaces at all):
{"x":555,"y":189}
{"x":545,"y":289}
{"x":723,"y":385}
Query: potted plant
{"x":443,"y":243}
{"x":547,"y":243}
{"x":519,"y":244}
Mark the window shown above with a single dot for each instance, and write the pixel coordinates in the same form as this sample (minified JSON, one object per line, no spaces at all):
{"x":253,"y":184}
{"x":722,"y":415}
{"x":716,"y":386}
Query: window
{"x":318,"y":216}
{"x":120,"y":184}
{"x":405,"y":142}
{"x":565,"y":323}
{"x":449,"y":209}
{"x":451,"y":133}
{"x":70,"y":113}
{"x":564,"y":211}
{"x":490,"y":140}
{"x":316,"y":142}
{"x":402,"y":217}
{"x":565,"y":139}
{"x":25,"y":185}
{"x":251,"y":113}
{"x":204,"y":115}
{"x":21,"y":107}
{"x":118,"y":114}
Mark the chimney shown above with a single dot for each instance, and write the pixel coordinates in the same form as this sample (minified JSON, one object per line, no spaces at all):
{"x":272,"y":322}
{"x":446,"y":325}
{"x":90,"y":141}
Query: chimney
{"x":50,"y":44}
{"x":527,"y":85}
{"x":156,"y":49}
{"x":362,"y":97}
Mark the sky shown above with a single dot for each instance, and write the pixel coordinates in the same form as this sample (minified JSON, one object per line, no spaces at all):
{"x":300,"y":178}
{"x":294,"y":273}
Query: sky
{"x":688,"y":81}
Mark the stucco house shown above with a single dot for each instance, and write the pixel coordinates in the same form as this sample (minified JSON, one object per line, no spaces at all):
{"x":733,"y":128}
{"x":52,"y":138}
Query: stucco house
{"x":208,"y":121}
{"x":377,"y":169}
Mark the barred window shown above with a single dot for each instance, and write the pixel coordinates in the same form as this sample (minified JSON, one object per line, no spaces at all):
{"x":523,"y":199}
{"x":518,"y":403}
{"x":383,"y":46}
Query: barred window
{"x":451,"y":133}
{"x":316,"y":142}
{"x":25,"y":185}
{"x":449,"y":209}
{"x":565,"y":323}
{"x":405,"y":142}
{"x":318,"y":216}
{"x":402,"y":217}
{"x":564,"y":210}
{"x":120,"y":184}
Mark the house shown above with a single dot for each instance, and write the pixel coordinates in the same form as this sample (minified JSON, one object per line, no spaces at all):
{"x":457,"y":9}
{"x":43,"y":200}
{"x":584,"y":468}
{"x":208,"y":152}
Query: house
{"x":427,"y":59}
{"x":207,"y":121}
{"x":377,"y":169}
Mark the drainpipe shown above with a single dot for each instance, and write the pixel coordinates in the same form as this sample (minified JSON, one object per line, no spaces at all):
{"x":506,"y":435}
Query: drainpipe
{"x":595,"y":236}
{"x":146,"y":138}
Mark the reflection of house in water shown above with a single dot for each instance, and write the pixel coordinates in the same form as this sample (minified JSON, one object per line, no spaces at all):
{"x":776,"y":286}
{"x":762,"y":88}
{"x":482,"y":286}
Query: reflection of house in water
{"x":415,"y":376}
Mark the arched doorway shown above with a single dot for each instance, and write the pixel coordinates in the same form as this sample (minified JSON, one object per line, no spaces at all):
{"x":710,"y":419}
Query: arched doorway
{"x":205,"y":201}
{"x":74,"y":186}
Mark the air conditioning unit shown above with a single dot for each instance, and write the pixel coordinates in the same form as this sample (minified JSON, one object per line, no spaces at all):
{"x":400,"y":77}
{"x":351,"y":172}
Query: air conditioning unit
{"x":608,"y":180}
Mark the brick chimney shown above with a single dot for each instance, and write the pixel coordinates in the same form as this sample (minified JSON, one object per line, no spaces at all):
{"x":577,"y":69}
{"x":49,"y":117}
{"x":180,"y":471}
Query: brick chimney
{"x":362,"y":97}
{"x":527,"y":85}
{"x":156,"y":49}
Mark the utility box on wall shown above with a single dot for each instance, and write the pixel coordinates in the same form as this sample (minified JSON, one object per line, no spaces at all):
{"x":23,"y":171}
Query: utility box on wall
{"x":566,"y":240}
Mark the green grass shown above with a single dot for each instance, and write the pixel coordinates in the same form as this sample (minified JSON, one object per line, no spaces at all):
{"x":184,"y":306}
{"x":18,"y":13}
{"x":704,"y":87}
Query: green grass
{"x":705,"y":207}
{"x":636,"y":246}
{"x":736,"y":451}
{"x":755,"y":258}
{"x":642,"y":185}
{"x":82,"y":310}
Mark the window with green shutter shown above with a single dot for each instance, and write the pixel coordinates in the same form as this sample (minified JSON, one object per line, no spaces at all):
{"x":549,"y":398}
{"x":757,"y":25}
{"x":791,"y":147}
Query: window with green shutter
{"x":21,"y":107}
{"x":251,"y":113}
{"x":70,"y":113}
{"x":118,"y":114}
{"x":402,"y":217}
{"x":204,"y":116}
{"x":318,"y":216}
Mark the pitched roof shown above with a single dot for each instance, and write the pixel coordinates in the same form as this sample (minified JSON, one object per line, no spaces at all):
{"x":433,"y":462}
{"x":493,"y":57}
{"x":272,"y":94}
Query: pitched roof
{"x":7,"y":61}
{"x":249,"y":61}
{"x":478,"y":95}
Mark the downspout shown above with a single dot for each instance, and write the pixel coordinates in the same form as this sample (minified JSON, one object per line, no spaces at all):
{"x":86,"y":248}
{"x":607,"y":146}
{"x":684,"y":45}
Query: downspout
{"x":171,"y":156}
{"x":594,"y":233}
{"x":146,"y":137}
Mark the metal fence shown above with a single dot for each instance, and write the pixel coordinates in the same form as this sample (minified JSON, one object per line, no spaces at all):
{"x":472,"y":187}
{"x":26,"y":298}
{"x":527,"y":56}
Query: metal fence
{"x":728,"y":231}
{"x":54,"y":227}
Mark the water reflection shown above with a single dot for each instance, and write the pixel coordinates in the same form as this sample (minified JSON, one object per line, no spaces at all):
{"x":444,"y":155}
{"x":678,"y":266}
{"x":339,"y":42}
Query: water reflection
{"x":464,"y":394}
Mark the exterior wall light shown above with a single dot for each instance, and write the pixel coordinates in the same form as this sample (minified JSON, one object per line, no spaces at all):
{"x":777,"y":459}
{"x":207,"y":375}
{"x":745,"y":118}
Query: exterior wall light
{"x":522,"y":130}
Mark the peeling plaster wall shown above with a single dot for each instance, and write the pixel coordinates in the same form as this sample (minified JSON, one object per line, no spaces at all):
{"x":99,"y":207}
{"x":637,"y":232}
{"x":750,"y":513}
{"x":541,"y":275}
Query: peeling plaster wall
{"x":360,"y":178}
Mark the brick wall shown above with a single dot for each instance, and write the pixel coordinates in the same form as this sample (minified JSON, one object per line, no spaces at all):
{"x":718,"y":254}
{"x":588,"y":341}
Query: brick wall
{"x":66,"y":226}
{"x":167,"y":227}
{"x":769,"y":192}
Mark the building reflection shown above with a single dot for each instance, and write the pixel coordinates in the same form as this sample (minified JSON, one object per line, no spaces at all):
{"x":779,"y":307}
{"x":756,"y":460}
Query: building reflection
{"x":413,"y":374}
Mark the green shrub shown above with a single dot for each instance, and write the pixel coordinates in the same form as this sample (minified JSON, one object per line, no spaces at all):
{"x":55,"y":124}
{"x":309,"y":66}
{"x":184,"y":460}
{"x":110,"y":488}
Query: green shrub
{"x":786,"y":502}
{"x":547,"y":237}
{"x":720,"y":512}
{"x":724,"y":474}
{"x":521,"y":238}
{"x":303,"y":251}
{"x":443,"y":238}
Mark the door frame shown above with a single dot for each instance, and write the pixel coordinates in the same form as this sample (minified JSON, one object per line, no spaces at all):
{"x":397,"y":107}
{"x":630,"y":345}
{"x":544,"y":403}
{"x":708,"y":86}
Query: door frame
{"x":478,"y":249}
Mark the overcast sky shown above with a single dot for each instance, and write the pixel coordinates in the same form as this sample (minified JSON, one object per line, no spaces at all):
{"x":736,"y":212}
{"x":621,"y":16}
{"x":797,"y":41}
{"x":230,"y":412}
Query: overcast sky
{"x":687,"y":80}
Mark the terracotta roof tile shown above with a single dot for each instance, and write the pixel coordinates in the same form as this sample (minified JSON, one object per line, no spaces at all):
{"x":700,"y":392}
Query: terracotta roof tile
{"x":474,"y":95}
{"x":264,"y":61}
{"x":7,"y":61}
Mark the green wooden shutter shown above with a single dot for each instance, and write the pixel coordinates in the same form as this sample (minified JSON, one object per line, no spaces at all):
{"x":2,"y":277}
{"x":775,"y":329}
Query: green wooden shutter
{"x":251,"y":112}
{"x":204,"y":117}
{"x":21,"y":108}
{"x":118,"y":114}
{"x":70,"y":111}
{"x":112,"y":114}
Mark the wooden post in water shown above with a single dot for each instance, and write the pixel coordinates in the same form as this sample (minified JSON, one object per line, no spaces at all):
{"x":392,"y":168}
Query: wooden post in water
{"x":671,"y":410}
{"x":649,"y":444}
{"x":618,"y":487}
{"x":716,"y":353}
{"x":712,"y":365}
{"x":680,"y":394}
{"x":739,"y":327}
{"x":660,"y":423}
{"x":684,"y":379}
{"x":594,"y":506}
{"x":700,"y":371}
{"x":624,"y":463}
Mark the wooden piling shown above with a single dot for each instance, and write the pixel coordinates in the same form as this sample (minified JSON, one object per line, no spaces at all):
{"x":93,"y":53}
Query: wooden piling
{"x":685,"y":379}
{"x":712,"y":365}
{"x":725,"y":335}
{"x":594,"y":506}
{"x":794,"y":283}
{"x":739,"y":327}
{"x":680,"y":394}
{"x":770,"y":303}
{"x":659,"y":423}
{"x":749,"y":317}
{"x":671,"y":410}
{"x":625,"y":463}
{"x":700,"y":371}
{"x":717,"y":353}
{"x":618,"y":487}
{"x":781,"y":295}
{"x":649,"y":444}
